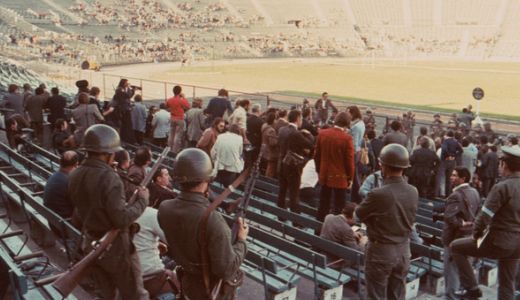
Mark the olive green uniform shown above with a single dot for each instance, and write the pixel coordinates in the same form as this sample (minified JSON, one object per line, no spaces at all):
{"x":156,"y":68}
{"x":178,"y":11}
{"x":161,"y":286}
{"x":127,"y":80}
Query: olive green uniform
{"x":98,"y":195}
{"x":179,"y":219}
{"x":501,"y":212}
{"x":389,"y":213}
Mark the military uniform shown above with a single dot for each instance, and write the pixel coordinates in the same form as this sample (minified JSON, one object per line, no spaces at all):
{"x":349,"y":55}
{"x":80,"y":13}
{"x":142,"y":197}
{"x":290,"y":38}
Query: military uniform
{"x":501,"y":212}
{"x":98,"y":196}
{"x":179,"y":219}
{"x":389,"y":213}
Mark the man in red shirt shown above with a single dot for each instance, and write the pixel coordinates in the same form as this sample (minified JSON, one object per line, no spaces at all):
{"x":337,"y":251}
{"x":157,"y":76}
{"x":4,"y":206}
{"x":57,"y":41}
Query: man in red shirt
{"x":177,"y":105}
{"x":334,"y":159}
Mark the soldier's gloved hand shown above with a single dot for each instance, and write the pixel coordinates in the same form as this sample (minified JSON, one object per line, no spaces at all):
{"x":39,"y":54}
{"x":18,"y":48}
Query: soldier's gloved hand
{"x":243,"y":230}
{"x":144,"y":194}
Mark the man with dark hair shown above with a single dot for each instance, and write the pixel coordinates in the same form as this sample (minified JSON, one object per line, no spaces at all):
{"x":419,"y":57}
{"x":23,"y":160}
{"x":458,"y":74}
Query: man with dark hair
{"x":469,"y":155}
{"x":334,"y":161}
{"x":395,"y":135}
{"x":459,"y":213}
{"x":489,"y":169}
{"x":450,"y":149}
{"x":389,"y":214}
{"x":337,"y":228}
{"x":137,"y":170}
{"x":160,"y":188}
{"x":376,"y":143}
{"x":281,"y":120}
{"x":56,"y":105}
{"x":270,"y":145}
{"x":218,"y":106}
{"x":209,"y":136}
{"x":423,"y":132}
{"x":307,"y":122}
{"x":177,"y":105}
{"x":34,"y":107}
{"x":501,"y":216}
{"x":160,"y":126}
{"x":437,"y":126}
{"x":424,"y":165}
{"x":322,"y":107}
{"x":56,"y":196}
{"x":98,"y":195}
{"x":85,"y":115}
{"x":180,"y":219}
{"x":295,"y":147}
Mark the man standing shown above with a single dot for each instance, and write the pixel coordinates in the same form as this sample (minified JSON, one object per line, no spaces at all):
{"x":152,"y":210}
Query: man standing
{"x":489,"y":169}
{"x":177,"y":105}
{"x":501,"y":215}
{"x":139,"y":115}
{"x":450,"y":148}
{"x":218,"y":107}
{"x":180,"y":219}
{"x":254,"y":130}
{"x":335,"y":164}
{"x":396,"y":135}
{"x":437,"y":126}
{"x":56,"y":195}
{"x":469,"y":155}
{"x":56,"y":105}
{"x":34,"y":107}
{"x":99,"y":198}
{"x":322,"y":106}
{"x":161,"y":126}
{"x":295,"y":146}
{"x":227,"y":155}
{"x":461,"y":208}
{"x":424,"y":163}
{"x":408,"y":126}
{"x":389,"y":213}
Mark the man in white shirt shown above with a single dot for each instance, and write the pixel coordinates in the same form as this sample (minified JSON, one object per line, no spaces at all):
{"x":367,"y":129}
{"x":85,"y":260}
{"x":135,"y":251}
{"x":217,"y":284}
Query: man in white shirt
{"x":469,"y":155}
{"x":161,"y":126}
{"x":227,"y":155}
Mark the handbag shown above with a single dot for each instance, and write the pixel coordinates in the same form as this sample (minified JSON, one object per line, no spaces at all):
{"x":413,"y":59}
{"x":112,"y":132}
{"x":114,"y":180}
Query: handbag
{"x":363,"y":158}
{"x":293,"y":159}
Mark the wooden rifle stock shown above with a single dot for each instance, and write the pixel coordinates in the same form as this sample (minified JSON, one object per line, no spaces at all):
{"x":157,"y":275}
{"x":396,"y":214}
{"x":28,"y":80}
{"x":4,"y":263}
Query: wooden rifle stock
{"x":71,"y":278}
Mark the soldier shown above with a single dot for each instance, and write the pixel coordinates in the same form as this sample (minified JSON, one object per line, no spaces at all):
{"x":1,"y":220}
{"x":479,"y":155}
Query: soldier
{"x":180,"y":219}
{"x":99,"y":199}
{"x":436,"y":127}
{"x":501,"y":216}
{"x":389,"y":213}
{"x":369,"y":120}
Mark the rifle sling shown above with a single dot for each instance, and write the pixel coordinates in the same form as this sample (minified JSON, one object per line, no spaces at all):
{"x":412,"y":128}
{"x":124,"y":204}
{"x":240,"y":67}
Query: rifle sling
{"x":203,"y":222}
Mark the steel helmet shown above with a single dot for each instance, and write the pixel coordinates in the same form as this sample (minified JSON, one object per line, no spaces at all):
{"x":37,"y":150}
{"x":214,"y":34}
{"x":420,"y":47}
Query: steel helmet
{"x":101,"y":138}
{"x":192,"y":165}
{"x":395,"y":155}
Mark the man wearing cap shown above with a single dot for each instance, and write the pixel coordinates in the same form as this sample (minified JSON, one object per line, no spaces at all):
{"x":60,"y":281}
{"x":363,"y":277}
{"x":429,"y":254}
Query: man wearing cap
{"x":389,"y":214}
{"x":180,"y":219}
{"x":99,"y":200}
{"x":497,"y":229}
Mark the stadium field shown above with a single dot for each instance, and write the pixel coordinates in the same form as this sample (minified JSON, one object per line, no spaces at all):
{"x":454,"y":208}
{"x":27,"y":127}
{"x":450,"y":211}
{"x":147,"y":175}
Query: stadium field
{"x":433,"y":85}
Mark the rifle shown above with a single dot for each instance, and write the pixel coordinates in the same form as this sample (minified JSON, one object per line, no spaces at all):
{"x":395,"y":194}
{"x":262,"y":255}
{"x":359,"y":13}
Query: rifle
{"x":248,"y":191}
{"x":66,"y":283}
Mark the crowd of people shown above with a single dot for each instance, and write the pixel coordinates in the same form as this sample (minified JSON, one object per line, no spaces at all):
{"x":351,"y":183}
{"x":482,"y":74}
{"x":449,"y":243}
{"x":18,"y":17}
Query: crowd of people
{"x":321,"y":155}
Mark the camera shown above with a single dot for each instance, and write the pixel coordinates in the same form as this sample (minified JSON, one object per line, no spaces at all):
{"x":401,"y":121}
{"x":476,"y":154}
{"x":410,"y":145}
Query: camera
{"x":135,"y":87}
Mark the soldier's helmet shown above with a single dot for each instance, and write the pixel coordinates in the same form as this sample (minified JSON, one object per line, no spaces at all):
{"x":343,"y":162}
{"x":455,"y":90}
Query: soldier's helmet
{"x":101,"y":138}
{"x":395,"y":155}
{"x":512,"y":152}
{"x":192,"y":165}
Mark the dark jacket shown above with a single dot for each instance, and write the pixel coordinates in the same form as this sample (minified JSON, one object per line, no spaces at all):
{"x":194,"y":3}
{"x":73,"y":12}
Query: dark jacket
{"x":217,"y":107}
{"x":309,"y":126}
{"x":424,"y":163}
{"x":56,"y":194}
{"x":489,"y":167}
{"x":158,"y":194}
{"x":13,"y":101}
{"x":462,"y":205}
{"x":396,"y":137}
{"x":450,"y":148}
{"x":389,"y":211}
{"x":254,"y":130}
{"x":56,"y":105}
{"x":179,"y":219}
